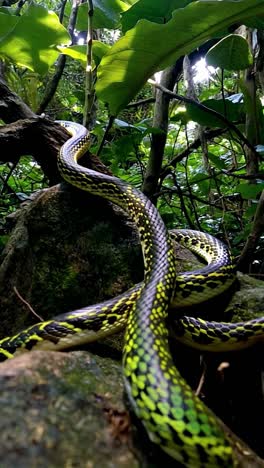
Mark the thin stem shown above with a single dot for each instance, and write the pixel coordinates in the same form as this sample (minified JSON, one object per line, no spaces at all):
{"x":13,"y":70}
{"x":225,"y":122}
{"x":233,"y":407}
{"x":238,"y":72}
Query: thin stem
{"x":53,"y":83}
{"x":27,"y":304}
{"x":108,"y":128}
{"x":89,"y":88}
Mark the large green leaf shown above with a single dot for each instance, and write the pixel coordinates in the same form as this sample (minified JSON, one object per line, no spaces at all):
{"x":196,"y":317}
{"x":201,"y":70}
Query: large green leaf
{"x":7,"y":23}
{"x":249,"y":191}
{"x":219,"y":163}
{"x":232,"y":111}
{"x":150,"y":47}
{"x":231,"y":53}
{"x":106,"y":14}
{"x":254,"y":111}
{"x":32,"y":39}
{"x":79,"y":52}
{"x":159,"y":11}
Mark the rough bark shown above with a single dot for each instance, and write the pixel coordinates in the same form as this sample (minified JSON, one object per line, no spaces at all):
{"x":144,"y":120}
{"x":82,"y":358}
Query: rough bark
{"x":38,"y":137}
{"x":254,"y":119}
{"x":160,"y":121}
{"x":252,"y":241}
{"x":260,"y":59}
{"x":42,"y":139}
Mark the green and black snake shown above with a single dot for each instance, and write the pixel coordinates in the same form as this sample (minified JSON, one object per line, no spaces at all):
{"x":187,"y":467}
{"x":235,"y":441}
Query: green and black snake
{"x":173,"y":416}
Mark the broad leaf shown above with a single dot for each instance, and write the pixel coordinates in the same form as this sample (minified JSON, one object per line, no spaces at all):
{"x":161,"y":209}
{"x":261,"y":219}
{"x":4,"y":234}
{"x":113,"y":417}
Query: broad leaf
{"x":256,"y":23}
{"x":249,"y":191}
{"x":180,"y":116}
{"x":219,"y":163}
{"x":227,"y":108}
{"x":7,"y":23}
{"x":231,"y":53}
{"x":159,"y":11}
{"x":150,"y":47}
{"x":106,"y":14}
{"x":79,"y":52}
{"x":32,"y":40}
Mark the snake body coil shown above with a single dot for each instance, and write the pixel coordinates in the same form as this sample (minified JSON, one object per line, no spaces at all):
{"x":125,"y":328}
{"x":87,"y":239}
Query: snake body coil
{"x":173,"y":416}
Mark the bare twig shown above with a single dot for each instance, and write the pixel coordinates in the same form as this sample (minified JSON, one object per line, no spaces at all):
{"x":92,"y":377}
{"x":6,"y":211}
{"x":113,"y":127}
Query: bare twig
{"x":107,"y":130}
{"x":5,"y":184}
{"x":141,"y":102}
{"x":191,"y":147}
{"x":27,"y":304}
{"x":89,"y":86}
{"x":201,"y":382}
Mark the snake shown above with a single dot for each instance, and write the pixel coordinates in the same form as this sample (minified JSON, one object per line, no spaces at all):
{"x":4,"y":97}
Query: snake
{"x":173,"y":416}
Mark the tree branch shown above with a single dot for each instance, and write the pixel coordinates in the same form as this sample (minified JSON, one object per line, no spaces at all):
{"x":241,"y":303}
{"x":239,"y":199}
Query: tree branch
{"x":160,"y":120}
{"x":214,"y":113}
{"x":209,"y":134}
{"x":38,"y":137}
{"x":89,"y":86}
{"x":252,"y":241}
{"x":42,"y":139}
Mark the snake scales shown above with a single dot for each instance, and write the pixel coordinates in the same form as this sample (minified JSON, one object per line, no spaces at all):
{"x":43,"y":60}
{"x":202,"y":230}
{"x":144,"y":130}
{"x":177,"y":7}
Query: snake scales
{"x":173,"y":416}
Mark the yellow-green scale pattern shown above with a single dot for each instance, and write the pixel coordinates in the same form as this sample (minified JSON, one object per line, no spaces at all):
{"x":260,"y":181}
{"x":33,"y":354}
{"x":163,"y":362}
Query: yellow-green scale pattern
{"x":172,"y":415}
{"x":174,"y":418}
{"x":73,"y":328}
{"x":207,"y":282}
{"x":218,"y":336}
{"x":100,"y":320}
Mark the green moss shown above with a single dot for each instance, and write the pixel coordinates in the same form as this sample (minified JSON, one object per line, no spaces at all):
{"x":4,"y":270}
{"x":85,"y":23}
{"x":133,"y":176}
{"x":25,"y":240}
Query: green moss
{"x":247,"y":303}
{"x":90,"y":376}
{"x":70,"y":279}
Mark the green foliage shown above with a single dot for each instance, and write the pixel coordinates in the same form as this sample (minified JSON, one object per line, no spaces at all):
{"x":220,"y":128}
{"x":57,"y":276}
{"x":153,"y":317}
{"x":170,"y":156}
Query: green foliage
{"x":128,"y":65}
{"x":250,"y":192}
{"x":106,"y":14}
{"x":159,"y":11}
{"x":79,"y":52}
{"x":231,"y":53}
{"x":17,"y":184}
{"x":232,"y":111}
{"x":30,"y":40}
{"x":254,"y":110}
{"x":23,"y":179}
